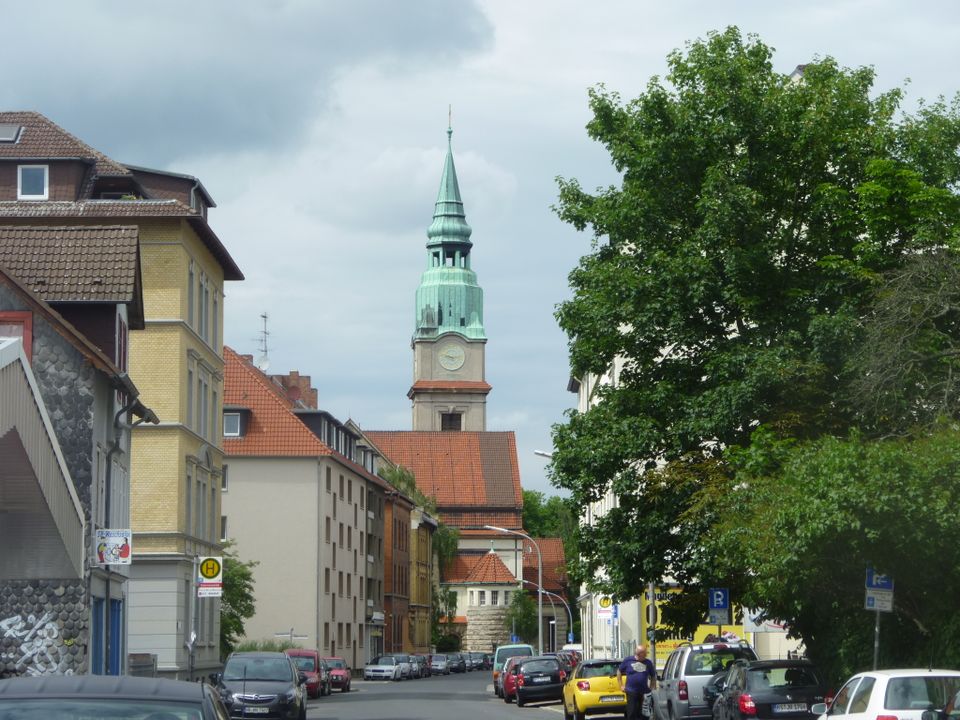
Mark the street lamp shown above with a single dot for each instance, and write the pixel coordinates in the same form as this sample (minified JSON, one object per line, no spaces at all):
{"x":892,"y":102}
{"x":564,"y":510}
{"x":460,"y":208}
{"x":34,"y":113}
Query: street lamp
{"x":539,"y":580}
{"x":558,"y":597}
{"x":543,"y":453}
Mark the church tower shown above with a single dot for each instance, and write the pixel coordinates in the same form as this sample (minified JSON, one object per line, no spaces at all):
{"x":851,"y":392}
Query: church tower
{"x":449,"y":391}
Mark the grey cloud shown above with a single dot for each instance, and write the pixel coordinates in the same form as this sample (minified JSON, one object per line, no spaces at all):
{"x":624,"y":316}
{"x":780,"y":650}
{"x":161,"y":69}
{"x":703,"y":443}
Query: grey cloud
{"x":212,"y":76}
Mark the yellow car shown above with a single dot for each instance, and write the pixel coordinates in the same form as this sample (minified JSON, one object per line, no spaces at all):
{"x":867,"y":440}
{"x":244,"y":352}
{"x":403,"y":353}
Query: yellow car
{"x":593,"y":690}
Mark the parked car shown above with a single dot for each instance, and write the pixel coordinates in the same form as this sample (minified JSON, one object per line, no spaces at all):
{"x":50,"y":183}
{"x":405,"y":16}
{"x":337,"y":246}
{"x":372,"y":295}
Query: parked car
{"x":592,"y":688}
{"x":421,"y":668}
{"x":539,"y":678}
{"x":477,"y":658}
{"x":384,"y":667}
{"x":679,"y":691}
{"x":78,"y":697}
{"x":768,"y":689}
{"x":903,"y":694}
{"x":264,"y":684}
{"x":508,"y":679}
{"x":340,"y":673}
{"x":456,"y":662}
{"x":488,"y":661}
{"x":312,"y":665}
{"x":439,"y":665}
{"x":407,"y":668}
{"x":500,"y":656}
{"x":566,"y":661}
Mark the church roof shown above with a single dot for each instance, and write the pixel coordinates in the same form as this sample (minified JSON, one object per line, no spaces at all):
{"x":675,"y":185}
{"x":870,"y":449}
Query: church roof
{"x":474,"y":476}
{"x":449,"y":220}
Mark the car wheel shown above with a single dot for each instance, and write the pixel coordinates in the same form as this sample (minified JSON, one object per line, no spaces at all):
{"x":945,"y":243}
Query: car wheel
{"x":520,"y":701}
{"x":506,"y":697}
{"x":303,"y":711}
{"x":577,"y":715}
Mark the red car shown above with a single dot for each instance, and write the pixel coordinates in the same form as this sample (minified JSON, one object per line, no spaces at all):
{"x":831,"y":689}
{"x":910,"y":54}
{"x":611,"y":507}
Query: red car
{"x":339,"y":673}
{"x":509,"y":675}
{"x":309,"y":663}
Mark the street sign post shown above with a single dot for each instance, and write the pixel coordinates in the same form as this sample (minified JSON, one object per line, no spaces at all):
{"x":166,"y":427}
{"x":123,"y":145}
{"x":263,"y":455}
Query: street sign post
{"x":718,"y":606}
{"x":878,"y":591}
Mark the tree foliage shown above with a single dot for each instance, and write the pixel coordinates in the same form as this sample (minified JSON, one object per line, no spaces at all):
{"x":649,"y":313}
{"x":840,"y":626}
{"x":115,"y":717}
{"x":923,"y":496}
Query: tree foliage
{"x":774,"y":274}
{"x":521,"y":616}
{"x":238,"y":601}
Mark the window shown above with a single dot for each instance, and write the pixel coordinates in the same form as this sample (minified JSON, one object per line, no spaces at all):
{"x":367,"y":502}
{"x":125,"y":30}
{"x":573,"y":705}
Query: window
{"x":328,"y":480}
{"x":223,"y":479}
{"x":326,"y":580}
{"x":18,"y":324}
{"x":450,"y":422}
{"x":33,"y":182}
{"x":327,"y":529}
{"x":191,"y":291}
{"x":482,"y":597}
{"x":231,"y":424}
{"x":189,"y":398}
{"x":494,"y":596}
{"x":223,"y":528}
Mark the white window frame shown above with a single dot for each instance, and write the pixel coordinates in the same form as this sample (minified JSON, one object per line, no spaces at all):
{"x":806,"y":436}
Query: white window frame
{"x":46,"y":182}
{"x":231,"y":415}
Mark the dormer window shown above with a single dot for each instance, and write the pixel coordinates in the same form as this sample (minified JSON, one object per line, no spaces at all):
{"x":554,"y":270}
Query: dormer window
{"x":231,"y":424}
{"x":10,"y":133}
{"x":33,"y":182}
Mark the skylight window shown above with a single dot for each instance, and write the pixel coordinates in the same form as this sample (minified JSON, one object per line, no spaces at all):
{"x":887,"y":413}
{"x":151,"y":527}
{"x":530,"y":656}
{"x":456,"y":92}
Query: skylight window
{"x":33,"y":182}
{"x":9,"y":132}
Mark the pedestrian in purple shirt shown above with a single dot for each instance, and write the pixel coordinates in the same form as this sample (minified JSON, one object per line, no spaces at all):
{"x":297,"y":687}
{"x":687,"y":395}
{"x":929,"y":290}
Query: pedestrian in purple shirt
{"x":636,"y":677}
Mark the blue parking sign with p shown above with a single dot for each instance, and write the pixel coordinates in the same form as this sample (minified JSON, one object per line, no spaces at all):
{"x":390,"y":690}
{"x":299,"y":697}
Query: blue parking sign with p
{"x":877,"y":581}
{"x":719,"y":599}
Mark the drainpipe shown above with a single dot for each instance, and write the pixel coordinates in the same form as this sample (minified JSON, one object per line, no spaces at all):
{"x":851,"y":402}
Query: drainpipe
{"x":146,"y":415}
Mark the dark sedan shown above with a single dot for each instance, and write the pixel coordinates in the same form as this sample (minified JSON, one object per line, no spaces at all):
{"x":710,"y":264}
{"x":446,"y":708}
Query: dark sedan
{"x":539,"y":678}
{"x":768,"y":690}
{"x":263,"y":685}
{"x":79,"y":697}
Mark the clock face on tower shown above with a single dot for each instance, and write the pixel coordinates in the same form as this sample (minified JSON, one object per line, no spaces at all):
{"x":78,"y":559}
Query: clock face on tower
{"x":451,"y":357}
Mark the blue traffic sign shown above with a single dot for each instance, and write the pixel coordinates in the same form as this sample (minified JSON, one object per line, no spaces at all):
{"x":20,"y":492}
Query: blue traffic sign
{"x":514,"y":638}
{"x":570,"y":637}
{"x":719,"y":599}
{"x":876,"y":581}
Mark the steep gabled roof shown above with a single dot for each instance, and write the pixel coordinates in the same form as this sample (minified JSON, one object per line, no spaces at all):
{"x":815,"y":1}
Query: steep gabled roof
{"x":473,"y":472}
{"x":41,"y":138}
{"x":272,"y":428}
{"x":73,"y":264}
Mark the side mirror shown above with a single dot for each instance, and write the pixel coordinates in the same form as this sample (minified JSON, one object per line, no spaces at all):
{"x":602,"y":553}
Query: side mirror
{"x":301,"y":678}
{"x":821,"y":708}
{"x":660,"y":676}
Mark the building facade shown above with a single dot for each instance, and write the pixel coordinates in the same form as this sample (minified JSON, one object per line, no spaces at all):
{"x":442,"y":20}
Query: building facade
{"x":56,"y":180}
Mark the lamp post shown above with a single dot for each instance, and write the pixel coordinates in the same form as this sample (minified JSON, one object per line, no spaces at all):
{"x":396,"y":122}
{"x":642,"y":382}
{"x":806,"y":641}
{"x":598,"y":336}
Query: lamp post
{"x":539,"y":580}
{"x":560,"y":598}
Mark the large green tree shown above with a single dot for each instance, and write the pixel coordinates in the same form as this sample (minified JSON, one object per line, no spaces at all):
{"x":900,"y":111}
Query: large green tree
{"x":737,"y":272}
{"x":238,"y":603}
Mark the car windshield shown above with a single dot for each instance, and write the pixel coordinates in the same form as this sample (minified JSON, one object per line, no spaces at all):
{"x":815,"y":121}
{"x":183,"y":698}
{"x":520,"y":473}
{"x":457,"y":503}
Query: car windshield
{"x":306,"y":664}
{"x":83,"y":709}
{"x":709,"y":661}
{"x":920,"y":693}
{"x":547,"y":666}
{"x":439,"y":657}
{"x":608,"y":669}
{"x":504,"y":653}
{"x":336,"y":663}
{"x":385,"y":660}
{"x":781,"y":677}
{"x":402,"y":658}
{"x":256,"y":668}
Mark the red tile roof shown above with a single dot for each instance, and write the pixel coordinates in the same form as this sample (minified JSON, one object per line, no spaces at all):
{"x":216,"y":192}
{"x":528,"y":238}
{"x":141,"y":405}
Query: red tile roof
{"x":554,"y":563}
{"x":96,"y":208}
{"x":490,"y":570}
{"x":73,"y":264}
{"x":272,"y":428}
{"x":474,"y":476}
{"x":41,"y":138}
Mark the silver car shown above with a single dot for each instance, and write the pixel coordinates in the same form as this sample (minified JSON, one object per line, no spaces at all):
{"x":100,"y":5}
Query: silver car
{"x":384,"y":667}
{"x":438,"y":665}
{"x":679,"y":694}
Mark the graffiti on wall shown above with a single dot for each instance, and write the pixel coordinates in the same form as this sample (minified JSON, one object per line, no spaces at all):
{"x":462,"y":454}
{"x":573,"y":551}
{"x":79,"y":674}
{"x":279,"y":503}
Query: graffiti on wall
{"x":36,"y":645}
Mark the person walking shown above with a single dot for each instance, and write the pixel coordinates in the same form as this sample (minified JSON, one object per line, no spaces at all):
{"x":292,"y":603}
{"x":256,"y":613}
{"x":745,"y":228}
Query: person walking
{"x":636,"y":676}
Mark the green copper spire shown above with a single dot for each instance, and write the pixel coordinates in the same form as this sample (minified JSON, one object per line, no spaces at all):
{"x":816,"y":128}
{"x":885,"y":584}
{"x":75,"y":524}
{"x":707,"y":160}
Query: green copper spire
{"x":449,"y":299}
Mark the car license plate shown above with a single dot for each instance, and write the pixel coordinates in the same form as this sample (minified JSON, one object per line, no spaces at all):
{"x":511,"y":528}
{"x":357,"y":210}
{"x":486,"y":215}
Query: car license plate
{"x":611,"y":698}
{"x":255,"y":710}
{"x":541,"y":679}
{"x":790,"y":707}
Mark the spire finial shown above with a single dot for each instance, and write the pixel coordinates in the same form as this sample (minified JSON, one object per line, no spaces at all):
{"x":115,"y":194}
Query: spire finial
{"x":449,"y":123}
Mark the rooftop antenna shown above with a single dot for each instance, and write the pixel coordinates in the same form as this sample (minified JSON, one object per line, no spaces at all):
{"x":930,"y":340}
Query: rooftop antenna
{"x":263,"y":359}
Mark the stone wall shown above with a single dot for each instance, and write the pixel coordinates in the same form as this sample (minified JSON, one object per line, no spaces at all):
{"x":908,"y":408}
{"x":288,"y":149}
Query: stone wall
{"x":43,"y":627}
{"x":486,"y":628}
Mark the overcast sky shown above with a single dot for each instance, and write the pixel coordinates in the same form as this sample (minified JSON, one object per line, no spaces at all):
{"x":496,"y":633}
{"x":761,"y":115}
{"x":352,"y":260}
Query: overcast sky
{"x":319,"y":129}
